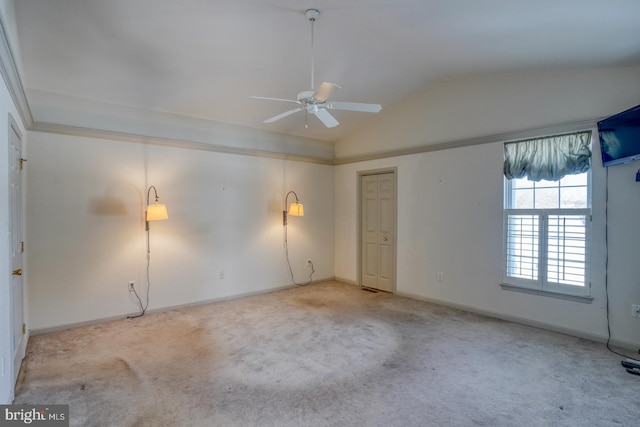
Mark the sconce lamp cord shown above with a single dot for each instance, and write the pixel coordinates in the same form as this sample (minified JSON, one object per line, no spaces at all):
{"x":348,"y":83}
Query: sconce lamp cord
{"x":286,"y":249}
{"x":143,"y":308}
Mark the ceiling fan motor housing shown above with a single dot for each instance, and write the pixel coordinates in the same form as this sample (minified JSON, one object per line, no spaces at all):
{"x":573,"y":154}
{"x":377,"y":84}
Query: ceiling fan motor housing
{"x":306,"y":97}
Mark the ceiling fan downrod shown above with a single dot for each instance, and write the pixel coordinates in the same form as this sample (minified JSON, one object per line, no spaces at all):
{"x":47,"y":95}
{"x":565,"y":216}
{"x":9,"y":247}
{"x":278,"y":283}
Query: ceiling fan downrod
{"x":312,"y":15}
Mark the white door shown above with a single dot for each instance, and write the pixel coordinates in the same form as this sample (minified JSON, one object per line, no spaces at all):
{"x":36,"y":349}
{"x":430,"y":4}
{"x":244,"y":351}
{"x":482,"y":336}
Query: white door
{"x":17,"y":248}
{"x":378,"y":225}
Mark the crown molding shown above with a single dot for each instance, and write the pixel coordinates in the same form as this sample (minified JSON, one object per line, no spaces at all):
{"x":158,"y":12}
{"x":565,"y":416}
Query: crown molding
{"x":11,"y":76}
{"x":168,"y":142}
{"x":500,"y":137}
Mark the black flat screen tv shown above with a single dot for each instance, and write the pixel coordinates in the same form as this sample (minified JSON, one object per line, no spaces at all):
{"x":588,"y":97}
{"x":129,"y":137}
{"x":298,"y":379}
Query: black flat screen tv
{"x":620,"y":137}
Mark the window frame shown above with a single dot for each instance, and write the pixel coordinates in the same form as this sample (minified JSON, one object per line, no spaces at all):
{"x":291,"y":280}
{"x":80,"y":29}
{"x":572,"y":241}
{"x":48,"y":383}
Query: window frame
{"x":542,"y":285}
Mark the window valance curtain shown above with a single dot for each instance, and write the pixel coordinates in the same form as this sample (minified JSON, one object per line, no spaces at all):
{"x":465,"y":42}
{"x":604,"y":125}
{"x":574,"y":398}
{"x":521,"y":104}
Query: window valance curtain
{"x":549,"y":158}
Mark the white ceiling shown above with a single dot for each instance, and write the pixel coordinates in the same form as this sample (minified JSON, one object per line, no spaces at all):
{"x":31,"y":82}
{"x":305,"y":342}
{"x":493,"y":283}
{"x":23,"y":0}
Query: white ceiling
{"x":203,"y":58}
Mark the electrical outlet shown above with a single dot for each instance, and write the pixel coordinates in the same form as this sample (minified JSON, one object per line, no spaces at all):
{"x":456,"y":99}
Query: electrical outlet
{"x":132,"y":285}
{"x":635,"y":310}
{"x":222,"y":274}
{"x":440,"y":277}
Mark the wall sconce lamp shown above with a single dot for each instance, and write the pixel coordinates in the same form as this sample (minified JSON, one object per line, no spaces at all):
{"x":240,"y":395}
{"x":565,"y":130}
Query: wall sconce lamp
{"x":295,"y":209}
{"x":157,"y":211}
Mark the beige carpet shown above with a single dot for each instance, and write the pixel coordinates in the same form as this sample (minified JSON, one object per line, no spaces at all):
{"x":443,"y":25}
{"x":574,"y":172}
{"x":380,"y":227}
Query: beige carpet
{"x":326,"y":355}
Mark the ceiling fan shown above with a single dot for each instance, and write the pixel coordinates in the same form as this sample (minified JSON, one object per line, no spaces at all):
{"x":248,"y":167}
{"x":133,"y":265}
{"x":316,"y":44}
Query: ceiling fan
{"x":316,"y":102}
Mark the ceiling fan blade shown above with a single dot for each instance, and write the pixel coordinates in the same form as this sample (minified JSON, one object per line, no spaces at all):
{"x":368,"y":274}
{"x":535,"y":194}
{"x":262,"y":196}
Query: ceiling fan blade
{"x":354,"y":106}
{"x":282,"y":115}
{"x":326,"y":118}
{"x":324,"y":91}
{"x":275,"y":99}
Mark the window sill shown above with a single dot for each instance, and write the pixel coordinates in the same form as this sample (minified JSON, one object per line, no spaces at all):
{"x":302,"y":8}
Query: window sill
{"x":577,"y":298}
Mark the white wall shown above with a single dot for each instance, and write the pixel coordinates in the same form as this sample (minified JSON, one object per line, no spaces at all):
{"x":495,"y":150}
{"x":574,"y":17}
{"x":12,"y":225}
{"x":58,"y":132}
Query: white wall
{"x":86,"y":236}
{"x":450,"y":201}
{"x":624,"y":251}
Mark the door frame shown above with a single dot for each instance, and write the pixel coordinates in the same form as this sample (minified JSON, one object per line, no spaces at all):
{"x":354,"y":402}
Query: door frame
{"x":359,"y":175}
{"x":17,"y":352}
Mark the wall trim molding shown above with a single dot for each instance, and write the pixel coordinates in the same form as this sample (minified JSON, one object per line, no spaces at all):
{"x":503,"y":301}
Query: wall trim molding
{"x":169,"y":142}
{"x":11,"y":76}
{"x":499,"y":137}
{"x":527,"y":322}
{"x":193,"y":145}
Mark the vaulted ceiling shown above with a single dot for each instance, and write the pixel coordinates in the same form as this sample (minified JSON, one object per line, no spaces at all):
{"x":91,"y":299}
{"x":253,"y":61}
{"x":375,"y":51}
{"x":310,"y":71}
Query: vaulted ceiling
{"x":204,"y":58}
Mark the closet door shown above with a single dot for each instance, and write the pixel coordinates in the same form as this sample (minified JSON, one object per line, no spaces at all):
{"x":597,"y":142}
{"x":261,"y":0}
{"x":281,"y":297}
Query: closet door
{"x":378,"y":225}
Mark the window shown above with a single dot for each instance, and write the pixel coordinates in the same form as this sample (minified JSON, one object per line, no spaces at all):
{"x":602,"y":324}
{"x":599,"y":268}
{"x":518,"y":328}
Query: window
{"x":547,"y":223}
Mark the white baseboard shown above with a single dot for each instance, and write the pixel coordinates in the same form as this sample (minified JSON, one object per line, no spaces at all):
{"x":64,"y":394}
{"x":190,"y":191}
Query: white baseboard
{"x":65,"y":326}
{"x":343,"y":280}
{"x":534,"y":323}
{"x":547,"y":326}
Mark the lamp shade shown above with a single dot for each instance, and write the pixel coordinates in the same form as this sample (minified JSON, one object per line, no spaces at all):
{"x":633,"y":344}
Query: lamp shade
{"x":157,"y":212}
{"x":296,"y":209}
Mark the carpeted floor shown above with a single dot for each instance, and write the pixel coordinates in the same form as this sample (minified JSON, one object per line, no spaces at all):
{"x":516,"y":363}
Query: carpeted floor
{"x":326,"y":355}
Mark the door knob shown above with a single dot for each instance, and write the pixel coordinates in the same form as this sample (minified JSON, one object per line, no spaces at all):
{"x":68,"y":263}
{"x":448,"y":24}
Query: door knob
{"x":386,"y":238}
{"x":17,"y":272}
